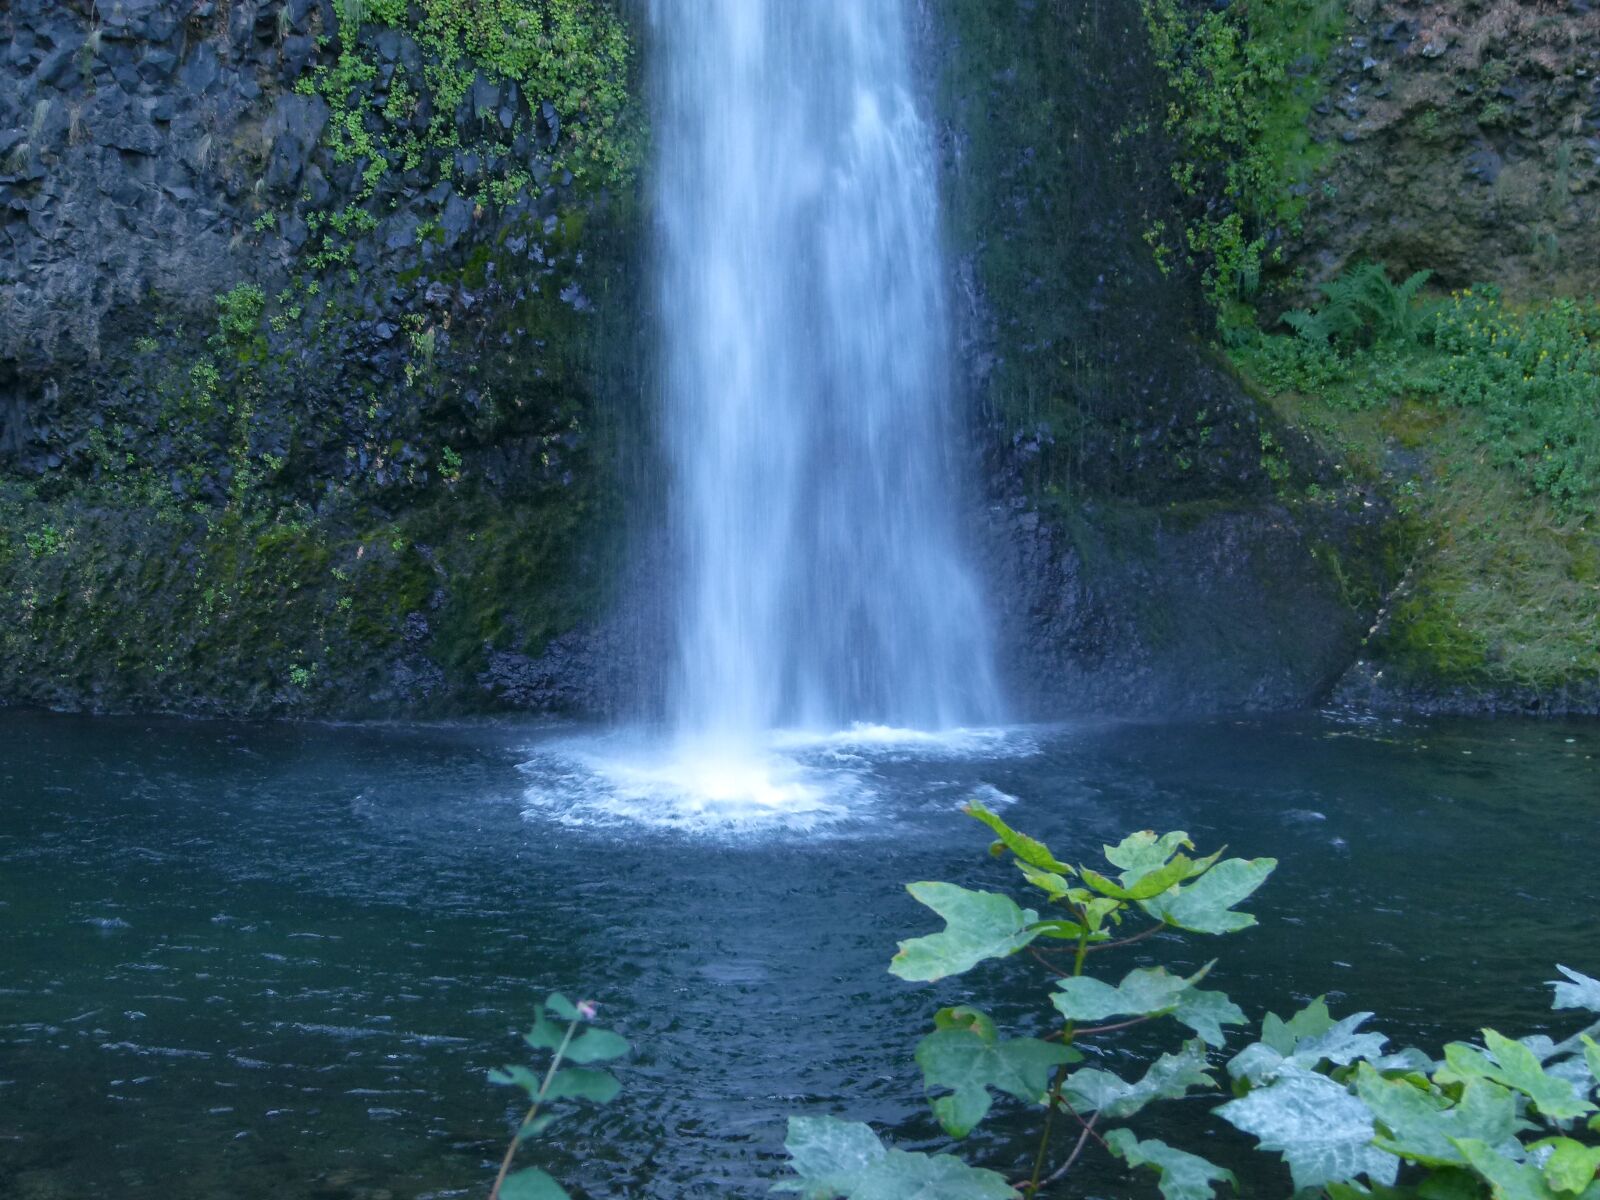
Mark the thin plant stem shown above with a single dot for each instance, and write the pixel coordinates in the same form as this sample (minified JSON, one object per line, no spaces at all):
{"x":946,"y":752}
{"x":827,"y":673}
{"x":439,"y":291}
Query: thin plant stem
{"x":1083,"y":1138}
{"x":533,"y":1111}
{"x":1047,"y":964}
{"x":1128,"y":941}
{"x":1033,"y":1184}
{"x":1089,"y":1124}
{"x":1094,"y":1029}
{"x":1055,"y":1100}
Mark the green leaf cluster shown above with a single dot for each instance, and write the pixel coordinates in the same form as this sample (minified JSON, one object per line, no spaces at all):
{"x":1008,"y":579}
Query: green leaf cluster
{"x":556,"y":1029}
{"x":1530,"y":376}
{"x":968,"y":1064}
{"x":1500,"y":1120}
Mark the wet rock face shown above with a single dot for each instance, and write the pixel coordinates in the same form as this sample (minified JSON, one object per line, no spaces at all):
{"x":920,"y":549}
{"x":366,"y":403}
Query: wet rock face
{"x":1139,"y":557}
{"x":265,"y":416}
{"x":119,"y":170}
{"x":1468,"y":143}
{"x":152,"y":151}
{"x":1137,"y":610}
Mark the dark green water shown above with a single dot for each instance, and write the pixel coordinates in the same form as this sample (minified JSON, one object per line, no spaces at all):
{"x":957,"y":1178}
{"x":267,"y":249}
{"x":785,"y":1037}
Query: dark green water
{"x":276,"y":961}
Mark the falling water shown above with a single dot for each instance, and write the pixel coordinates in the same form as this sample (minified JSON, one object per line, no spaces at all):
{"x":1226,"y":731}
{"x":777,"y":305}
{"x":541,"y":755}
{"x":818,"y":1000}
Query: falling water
{"x":808,"y":410}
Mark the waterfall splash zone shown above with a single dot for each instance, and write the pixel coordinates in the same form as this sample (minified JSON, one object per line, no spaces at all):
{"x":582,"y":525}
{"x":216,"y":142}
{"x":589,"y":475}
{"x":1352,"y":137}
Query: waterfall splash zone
{"x":790,"y":782}
{"x":808,"y":424}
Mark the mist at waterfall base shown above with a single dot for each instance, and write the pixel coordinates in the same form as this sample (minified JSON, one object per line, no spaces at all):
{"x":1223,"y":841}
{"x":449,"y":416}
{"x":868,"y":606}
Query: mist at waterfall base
{"x":824,"y":609}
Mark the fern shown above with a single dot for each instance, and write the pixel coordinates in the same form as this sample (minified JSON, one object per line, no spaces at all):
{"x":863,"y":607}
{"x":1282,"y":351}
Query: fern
{"x":1309,"y":325}
{"x":1362,"y":307}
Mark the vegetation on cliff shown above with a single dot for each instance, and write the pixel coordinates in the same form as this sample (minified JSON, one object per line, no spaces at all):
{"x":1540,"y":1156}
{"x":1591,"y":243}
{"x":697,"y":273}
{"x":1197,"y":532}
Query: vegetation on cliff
{"x":1474,"y":416}
{"x":352,"y":477}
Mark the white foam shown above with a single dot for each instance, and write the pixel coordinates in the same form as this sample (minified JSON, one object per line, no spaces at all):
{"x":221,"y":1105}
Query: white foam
{"x":957,"y":743}
{"x":791,"y":780}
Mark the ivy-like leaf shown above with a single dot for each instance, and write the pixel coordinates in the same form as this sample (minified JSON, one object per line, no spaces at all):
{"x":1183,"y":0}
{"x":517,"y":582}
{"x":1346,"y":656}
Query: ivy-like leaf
{"x":978,"y":925}
{"x":1591,"y":1056}
{"x":826,"y":1147}
{"x":1143,"y":852}
{"x":532,"y":1184}
{"x":583,"y":1083}
{"x":1323,"y":1132}
{"x":1423,"y":1123}
{"x":1516,"y":1067}
{"x":1052,"y":885}
{"x":1140,"y":887}
{"x":1140,"y":883}
{"x":1029,"y":850}
{"x":596,"y":1045}
{"x":517,"y":1077}
{"x":1179,"y":1174}
{"x":966,"y":1057}
{"x":1169,"y":1077}
{"x":1206,"y":1013}
{"x":1206,"y":905}
{"x":846,"y":1159}
{"x":1340,"y":1044}
{"x":1143,"y":991}
{"x":1311,"y":1020}
{"x":1581,"y":992}
{"x":1571,"y":1166}
{"x":1509,"y":1179}
{"x":1312,"y":1037}
{"x":1150,"y":991}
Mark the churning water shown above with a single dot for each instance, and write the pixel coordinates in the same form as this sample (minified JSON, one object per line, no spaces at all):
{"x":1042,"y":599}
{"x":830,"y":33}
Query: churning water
{"x":807,"y":410}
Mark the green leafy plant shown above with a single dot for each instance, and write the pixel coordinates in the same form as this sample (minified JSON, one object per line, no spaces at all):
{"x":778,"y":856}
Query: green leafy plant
{"x":572,"y":54}
{"x":1535,"y":377}
{"x":966,"y":1062}
{"x":239,"y":311}
{"x":561,"y":1038}
{"x":1503,"y":1118}
{"x":1529,"y":377}
{"x":450,"y":465}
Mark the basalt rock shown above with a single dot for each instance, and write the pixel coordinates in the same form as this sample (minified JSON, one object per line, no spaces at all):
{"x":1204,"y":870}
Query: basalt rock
{"x":257,"y":410}
{"x":1468,"y":144}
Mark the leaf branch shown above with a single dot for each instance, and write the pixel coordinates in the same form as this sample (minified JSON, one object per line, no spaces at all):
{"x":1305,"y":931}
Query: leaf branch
{"x":533,"y":1111}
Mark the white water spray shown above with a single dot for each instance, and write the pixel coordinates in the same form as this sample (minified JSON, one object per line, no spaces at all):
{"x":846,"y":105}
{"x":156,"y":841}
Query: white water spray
{"x":808,"y":410}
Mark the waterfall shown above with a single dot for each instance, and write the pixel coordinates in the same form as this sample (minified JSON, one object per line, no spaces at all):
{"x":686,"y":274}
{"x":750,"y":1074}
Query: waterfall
{"x":807,"y":411}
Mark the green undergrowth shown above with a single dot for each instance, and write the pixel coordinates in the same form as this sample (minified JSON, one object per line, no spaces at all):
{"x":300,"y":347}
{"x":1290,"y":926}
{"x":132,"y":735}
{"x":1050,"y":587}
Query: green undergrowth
{"x":1242,"y":81}
{"x":1481,"y":423}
